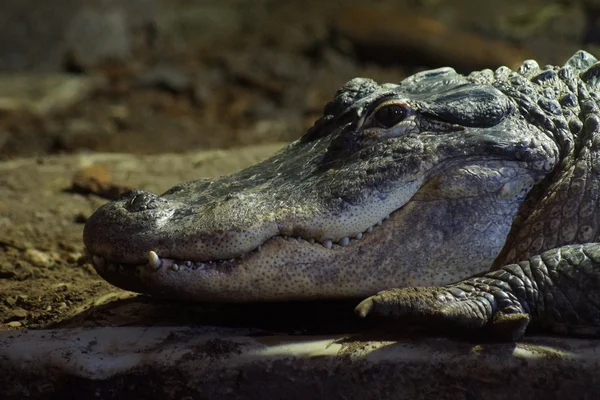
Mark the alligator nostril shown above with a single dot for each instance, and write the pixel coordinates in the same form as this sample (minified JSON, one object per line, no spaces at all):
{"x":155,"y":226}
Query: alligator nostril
{"x":130,"y":194}
{"x":140,"y":201}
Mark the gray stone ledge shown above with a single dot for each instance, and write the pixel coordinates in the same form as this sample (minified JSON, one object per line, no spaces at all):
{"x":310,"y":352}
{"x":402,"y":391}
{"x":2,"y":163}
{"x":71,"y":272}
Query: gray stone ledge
{"x":222,"y":363}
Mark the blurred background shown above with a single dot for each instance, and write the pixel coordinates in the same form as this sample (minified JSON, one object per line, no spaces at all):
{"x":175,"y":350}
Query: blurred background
{"x":149,"y":76}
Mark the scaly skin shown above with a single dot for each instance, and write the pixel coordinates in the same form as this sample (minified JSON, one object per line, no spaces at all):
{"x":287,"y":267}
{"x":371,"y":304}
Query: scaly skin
{"x":414,"y":186}
{"x":557,"y":291}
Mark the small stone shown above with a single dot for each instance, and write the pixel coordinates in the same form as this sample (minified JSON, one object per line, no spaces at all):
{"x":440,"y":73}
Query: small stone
{"x":10,"y":301}
{"x":61,"y":287}
{"x":71,"y":257}
{"x":38,"y":258}
{"x":93,"y":178}
{"x":14,"y":324}
{"x":97,"y":179}
{"x":18,"y":313}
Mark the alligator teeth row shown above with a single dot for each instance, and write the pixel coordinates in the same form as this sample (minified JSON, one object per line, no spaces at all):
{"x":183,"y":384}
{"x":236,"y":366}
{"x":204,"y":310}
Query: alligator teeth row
{"x":156,"y":262}
{"x":345,"y":241}
{"x":101,"y":262}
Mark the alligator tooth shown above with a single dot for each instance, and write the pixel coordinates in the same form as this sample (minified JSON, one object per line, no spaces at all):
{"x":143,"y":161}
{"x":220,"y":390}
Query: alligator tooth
{"x":344,"y":241}
{"x":98,"y":261}
{"x":359,"y":235}
{"x":174,"y":267}
{"x":369,"y":229}
{"x":189,"y":264}
{"x":154,"y":260}
{"x":311,"y":240}
{"x":386,"y":217}
{"x":259,"y":248}
{"x":327,"y":243}
{"x":379,"y":222}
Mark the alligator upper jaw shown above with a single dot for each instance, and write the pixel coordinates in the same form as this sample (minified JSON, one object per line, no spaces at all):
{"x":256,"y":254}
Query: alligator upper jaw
{"x":171,"y":233}
{"x":153,"y":260}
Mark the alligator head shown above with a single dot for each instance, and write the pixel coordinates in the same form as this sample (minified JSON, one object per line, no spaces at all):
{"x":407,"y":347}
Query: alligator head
{"x":414,"y":183}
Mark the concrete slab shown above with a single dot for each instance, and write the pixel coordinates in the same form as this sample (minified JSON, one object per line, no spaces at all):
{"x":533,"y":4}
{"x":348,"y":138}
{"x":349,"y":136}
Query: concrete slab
{"x":220,"y":363}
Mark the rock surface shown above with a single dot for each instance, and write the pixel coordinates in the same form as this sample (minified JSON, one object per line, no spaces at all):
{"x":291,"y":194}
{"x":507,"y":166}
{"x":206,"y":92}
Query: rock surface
{"x":219,"y":363}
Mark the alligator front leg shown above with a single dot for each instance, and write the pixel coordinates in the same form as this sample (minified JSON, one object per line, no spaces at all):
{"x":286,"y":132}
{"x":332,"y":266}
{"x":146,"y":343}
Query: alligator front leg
{"x":557,"y":291}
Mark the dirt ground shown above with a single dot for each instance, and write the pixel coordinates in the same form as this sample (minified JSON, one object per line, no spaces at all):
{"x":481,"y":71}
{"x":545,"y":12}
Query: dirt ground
{"x":160,"y":116}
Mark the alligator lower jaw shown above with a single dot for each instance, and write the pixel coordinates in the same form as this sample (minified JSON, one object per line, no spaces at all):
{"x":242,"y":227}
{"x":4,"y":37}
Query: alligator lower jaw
{"x":155,"y":262}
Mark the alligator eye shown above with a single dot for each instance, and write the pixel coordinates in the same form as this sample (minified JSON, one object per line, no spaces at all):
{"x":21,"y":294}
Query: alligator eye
{"x":389,"y":115}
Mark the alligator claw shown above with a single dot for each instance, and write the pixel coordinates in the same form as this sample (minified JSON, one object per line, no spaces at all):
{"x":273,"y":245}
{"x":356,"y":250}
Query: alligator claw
{"x":447,"y":308}
{"x":365,"y":307}
{"x":401,"y":303}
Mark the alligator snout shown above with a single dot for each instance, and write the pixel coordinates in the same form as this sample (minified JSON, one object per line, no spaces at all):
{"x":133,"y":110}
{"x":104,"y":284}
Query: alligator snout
{"x":186,"y":223}
{"x":121,"y":230}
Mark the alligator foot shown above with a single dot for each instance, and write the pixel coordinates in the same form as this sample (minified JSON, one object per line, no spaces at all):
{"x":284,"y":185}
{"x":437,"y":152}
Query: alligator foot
{"x":473,"y":305}
{"x":557,"y":291}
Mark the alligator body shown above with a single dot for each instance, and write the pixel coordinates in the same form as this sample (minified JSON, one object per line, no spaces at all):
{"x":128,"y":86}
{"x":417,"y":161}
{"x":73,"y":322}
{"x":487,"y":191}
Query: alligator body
{"x":404,"y":192}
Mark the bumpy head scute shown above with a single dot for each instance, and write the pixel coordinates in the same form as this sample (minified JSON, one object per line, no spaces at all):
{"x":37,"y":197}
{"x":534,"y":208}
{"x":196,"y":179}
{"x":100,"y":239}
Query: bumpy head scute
{"x":547,"y":77}
{"x":470,"y":106}
{"x":345,"y":97}
{"x":581,"y":61}
{"x":553,"y":98}
{"x":557,"y":99}
{"x":348,"y":94}
{"x":529,"y":68}
{"x":591,"y":76}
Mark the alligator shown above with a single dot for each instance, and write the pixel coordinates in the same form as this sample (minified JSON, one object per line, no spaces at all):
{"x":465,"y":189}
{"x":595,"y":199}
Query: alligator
{"x":450,"y":200}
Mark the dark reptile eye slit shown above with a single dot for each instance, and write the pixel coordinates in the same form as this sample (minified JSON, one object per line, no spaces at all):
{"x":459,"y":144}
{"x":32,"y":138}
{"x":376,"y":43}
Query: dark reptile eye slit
{"x":389,"y":115}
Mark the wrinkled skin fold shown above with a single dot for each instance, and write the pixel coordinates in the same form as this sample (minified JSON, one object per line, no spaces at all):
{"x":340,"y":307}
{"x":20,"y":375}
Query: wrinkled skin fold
{"x":403,"y":192}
